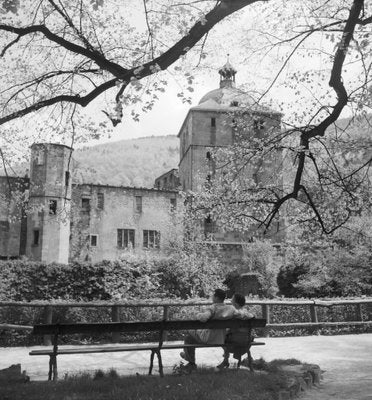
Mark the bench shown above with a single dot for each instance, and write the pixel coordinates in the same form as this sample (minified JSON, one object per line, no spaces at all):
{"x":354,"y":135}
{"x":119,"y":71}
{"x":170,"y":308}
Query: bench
{"x":161,"y":327}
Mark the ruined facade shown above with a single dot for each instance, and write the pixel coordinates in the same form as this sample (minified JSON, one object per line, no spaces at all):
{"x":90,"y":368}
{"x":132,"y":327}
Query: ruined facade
{"x":89,"y":222}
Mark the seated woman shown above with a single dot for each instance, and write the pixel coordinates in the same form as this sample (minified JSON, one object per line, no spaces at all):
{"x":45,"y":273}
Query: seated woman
{"x":236,"y":340}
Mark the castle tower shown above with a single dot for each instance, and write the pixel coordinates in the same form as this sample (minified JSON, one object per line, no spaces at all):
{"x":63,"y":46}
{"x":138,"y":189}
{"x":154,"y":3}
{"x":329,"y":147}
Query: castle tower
{"x":219,"y":121}
{"x":48,"y":225}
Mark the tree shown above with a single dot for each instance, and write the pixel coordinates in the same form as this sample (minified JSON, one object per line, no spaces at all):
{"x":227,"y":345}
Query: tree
{"x":315,"y":184}
{"x":57,"y":56}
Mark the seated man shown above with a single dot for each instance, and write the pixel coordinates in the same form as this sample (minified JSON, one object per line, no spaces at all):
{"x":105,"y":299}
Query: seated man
{"x":236,"y":336}
{"x":218,"y":310}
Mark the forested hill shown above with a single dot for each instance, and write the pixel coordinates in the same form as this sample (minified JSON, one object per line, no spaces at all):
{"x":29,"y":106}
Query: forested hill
{"x":135,"y":162}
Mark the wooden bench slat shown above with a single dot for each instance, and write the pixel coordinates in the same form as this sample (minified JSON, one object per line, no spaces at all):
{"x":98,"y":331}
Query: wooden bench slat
{"x":149,"y":326}
{"x":110,"y":349}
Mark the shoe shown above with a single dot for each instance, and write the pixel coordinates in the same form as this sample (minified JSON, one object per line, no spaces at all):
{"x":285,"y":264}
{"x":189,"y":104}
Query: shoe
{"x":188,"y":368}
{"x":224,"y":364}
{"x":184,"y":356}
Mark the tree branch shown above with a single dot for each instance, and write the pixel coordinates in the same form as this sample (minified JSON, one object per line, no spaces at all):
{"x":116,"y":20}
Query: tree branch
{"x":221,"y":10}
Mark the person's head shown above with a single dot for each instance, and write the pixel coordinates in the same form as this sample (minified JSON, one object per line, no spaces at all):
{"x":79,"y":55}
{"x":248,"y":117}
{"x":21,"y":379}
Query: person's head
{"x":238,"y":300}
{"x":219,"y":296}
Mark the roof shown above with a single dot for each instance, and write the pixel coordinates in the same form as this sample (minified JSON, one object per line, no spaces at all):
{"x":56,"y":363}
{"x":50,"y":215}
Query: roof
{"x":133,"y":188}
{"x":229,"y":98}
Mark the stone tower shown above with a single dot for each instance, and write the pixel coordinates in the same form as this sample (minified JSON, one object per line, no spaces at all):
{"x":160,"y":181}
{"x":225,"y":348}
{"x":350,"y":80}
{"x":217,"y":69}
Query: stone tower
{"x":213,"y":124}
{"x":48,"y":225}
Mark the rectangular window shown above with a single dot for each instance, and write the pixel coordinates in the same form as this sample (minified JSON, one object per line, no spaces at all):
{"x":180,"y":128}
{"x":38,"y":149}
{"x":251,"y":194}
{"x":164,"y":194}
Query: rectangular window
{"x":173,"y":204}
{"x":52,"y":207}
{"x":36,"y":237}
{"x":4,"y":226}
{"x":67,"y":178}
{"x":258,"y":124}
{"x":100,"y":201}
{"x":151,"y":239}
{"x":125,"y":238}
{"x":138,"y":204}
{"x":93,"y":240}
{"x":213,"y":122}
{"x":85,"y":204}
{"x":208,"y":225}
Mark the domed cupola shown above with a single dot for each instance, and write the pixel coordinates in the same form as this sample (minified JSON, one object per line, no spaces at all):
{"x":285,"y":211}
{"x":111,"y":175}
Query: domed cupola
{"x":227,"y":75}
{"x":229,"y":98}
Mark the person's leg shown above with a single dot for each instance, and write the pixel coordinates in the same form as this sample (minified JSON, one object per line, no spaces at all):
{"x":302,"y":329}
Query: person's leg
{"x":226,"y":352}
{"x":225,"y":362}
{"x":189,"y":352}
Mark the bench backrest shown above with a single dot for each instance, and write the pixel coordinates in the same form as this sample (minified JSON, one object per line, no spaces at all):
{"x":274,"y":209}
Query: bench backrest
{"x":149,"y":326}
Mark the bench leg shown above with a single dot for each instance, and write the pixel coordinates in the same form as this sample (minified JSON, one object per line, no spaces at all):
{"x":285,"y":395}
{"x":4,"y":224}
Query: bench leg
{"x":52,"y":368}
{"x":250,"y":360}
{"x":151,"y":361}
{"x":160,"y":363}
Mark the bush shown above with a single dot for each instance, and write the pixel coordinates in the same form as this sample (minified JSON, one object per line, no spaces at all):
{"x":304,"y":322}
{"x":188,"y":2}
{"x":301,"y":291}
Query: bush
{"x":181,"y":275}
{"x":327,"y":272}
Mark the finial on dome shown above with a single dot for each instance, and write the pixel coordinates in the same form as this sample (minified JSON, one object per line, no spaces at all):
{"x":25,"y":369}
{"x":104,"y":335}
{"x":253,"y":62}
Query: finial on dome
{"x":227,"y":74}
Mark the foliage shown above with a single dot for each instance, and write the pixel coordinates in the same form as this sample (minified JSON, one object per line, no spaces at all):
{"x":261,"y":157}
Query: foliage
{"x":126,"y":163}
{"x":181,"y":275}
{"x":289,"y":275}
{"x":261,"y":262}
{"x":194,"y":270}
{"x":135,"y":162}
{"x":329,"y":271}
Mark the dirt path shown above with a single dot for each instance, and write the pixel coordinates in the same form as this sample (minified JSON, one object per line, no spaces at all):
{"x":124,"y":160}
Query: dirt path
{"x":347,"y":360}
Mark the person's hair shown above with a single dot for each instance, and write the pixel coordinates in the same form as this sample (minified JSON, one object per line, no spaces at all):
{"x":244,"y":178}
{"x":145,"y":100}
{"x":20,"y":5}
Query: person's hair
{"x":220,"y":294}
{"x":239,"y":299}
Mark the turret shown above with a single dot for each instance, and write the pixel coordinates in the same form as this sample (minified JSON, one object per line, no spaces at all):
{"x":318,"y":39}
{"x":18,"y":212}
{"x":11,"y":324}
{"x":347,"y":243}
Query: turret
{"x":48,"y":226}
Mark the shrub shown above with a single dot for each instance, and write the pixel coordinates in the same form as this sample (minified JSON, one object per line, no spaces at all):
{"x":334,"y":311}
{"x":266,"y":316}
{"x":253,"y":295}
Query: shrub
{"x":330,"y":271}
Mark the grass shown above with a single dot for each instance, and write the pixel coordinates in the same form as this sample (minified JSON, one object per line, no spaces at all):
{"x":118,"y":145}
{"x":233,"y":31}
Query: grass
{"x":205,"y":384}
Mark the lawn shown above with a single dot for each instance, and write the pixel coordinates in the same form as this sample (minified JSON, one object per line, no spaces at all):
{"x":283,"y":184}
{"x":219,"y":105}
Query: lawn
{"x":205,"y":384}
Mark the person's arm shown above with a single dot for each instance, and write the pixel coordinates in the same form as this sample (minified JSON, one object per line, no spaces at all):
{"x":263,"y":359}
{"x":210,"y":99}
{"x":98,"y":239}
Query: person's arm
{"x":205,"y":315}
{"x":243,"y":314}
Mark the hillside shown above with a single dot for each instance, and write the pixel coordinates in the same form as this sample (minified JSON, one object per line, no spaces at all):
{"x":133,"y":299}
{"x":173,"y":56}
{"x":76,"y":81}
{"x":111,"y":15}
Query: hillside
{"x":135,"y":162}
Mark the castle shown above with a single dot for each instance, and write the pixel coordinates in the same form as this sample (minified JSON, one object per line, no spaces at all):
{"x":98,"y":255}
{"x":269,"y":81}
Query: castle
{"x":66,"y":221}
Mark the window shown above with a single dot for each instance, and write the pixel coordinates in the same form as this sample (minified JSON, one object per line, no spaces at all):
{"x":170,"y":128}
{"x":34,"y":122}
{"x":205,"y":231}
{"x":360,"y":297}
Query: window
{"x":138,"y":204}
{"x":36,"y":237}
{"x":39,"y":157}
{"x":259,"y":124}
{"x":208,"y":225}
{"x":85,"y":204}
{"x":213,"y":122}
{"x":4,"y":226}
{"x":93,"y":240}
{"x":173,"y":204}
{"x":125,"y":238}
{"x":52,"y":207}
{"x":100,"y":201}
{"x":151,"y":239}
{"x":67,"y":178}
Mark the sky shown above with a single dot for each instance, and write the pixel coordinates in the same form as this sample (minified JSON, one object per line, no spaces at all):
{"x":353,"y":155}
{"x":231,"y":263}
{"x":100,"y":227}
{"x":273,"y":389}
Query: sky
{"x":168,"y":113}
